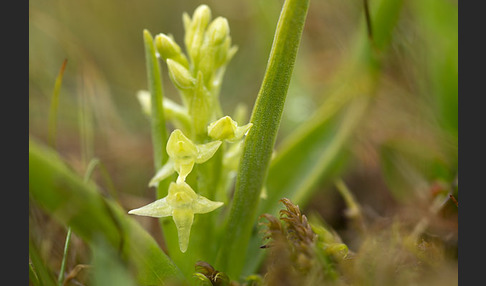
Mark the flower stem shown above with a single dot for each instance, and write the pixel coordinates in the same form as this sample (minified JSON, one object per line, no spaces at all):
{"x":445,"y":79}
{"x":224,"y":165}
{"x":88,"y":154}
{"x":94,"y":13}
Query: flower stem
{"x":60,"y":280}
{"x":261,"y":138}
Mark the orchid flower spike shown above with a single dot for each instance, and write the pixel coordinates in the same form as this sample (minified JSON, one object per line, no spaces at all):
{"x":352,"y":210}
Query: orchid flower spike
{"x":183,"y":154}
{"x":181,"y":203}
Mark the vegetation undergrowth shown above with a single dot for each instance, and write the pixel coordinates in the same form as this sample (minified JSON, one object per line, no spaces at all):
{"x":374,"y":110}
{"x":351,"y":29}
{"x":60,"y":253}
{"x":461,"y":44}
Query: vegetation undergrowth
{"x":231,"y":200}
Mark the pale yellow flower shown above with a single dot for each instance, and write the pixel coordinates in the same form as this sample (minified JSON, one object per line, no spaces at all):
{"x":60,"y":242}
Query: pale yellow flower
{"x":183,"y":154}
{"x":227,"y":129}
{"x":181,"y":203}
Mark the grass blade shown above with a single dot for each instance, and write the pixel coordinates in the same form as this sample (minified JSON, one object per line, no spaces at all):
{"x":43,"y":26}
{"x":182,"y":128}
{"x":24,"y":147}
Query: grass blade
{"x":60,"y":192}
{"x":89,"y":170}
{"x":261,"y":138}
{"x":60,"y":278}
{"x":39,"y":274}
{"x":54,"y":106}
{"x":108,"y":269}
{"x":317,"y":150}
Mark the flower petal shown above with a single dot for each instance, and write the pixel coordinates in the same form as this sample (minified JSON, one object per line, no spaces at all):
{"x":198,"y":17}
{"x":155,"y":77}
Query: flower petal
{"x":179,"y":147}
{"x":206,"y":151}
{"x":222,"y":129}
{"x":183,"y":219}
{"x":159,"y":208}
{"x":203,"y":205}
{"x":164,"y":172}
{"x":183,"y":169}
{"x":242,"y":130}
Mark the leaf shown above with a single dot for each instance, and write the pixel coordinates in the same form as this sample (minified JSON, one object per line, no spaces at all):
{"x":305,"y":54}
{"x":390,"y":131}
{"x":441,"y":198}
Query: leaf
{"x":54,"y":106}
{"x":39,"y":274}
{"x":409,"y":167}
{"x":64,"y":195}
{"x":317,"y":156}
{"x":261,"y":138}
{"x":108,"y":269}
{"x":317,"y":150}
{"x":159,"y":132}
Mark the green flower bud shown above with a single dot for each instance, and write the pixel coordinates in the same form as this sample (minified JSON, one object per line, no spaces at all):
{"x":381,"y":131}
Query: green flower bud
{"x":169,"y":49}
{"x":186,"y":20}
{"x":201,"y":16}
{"x":217,"y":31}
{"x":231,"y":52}
{"x":180,"y":75}
{"x":166,"y":46}
{"x":195,"y":33}
{"x":221,"y":53}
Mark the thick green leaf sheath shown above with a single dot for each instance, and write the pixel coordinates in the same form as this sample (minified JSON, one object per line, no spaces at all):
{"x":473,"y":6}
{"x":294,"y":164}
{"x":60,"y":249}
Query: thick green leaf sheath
{"x":261,"y":138}
{"x":79,"y":205}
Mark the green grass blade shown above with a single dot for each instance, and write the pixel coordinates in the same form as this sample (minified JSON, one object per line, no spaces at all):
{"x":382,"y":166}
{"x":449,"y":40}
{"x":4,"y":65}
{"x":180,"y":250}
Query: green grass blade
{"x":86,"y":125}
{"x":39,"y":273}
{"x":54,"y":106}
{"x":441,"y":67}
{"x":108,"y":269}
{"x":60,"y":278}
{"x":261,"y":138}
{"x":318,"y":155}
{"x":33,"y":278}
{"x":317,"y":151}
{"x":89,"y":170}
{"x":315,"y":154}
{"x":79,"y":205}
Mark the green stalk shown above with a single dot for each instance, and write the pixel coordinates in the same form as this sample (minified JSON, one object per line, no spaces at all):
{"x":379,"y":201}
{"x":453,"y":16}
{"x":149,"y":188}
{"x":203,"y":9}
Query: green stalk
{"x":159,"y":140}
{"x":159,"y":132}
{"x":86,"y":127}
{"x":60,"y":280}
{"x":54,"y":106}
{"x":316,"y":151}
{"x":261,"y":138}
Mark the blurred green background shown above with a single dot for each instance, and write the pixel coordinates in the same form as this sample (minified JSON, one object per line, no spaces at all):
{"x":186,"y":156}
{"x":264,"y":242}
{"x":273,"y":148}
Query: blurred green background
{"x":404,"y":151}
{"x":102,"y":42}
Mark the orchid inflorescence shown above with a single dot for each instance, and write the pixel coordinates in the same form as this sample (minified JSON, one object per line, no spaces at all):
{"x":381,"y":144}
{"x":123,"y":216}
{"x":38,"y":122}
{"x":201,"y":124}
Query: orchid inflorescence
{"x":199,"y":133}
